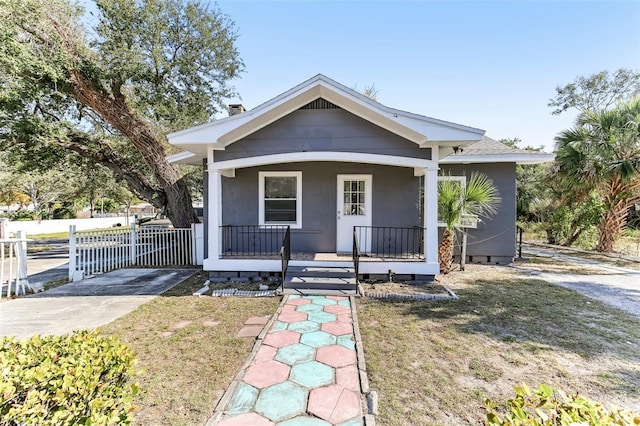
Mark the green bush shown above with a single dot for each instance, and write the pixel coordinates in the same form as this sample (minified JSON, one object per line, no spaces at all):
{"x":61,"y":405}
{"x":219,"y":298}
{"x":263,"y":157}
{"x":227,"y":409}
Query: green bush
{"x":544,"y":407}
{"x":83,"y":379}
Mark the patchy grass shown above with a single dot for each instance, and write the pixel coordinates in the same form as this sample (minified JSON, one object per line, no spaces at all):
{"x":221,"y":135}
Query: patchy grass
{"x":548,"y":264}
{"x":55,"y":283}
{"x":187,"y":349}
{"x":37,"y":248}
{"x":435,"y":362}
{"x":50,"y":236}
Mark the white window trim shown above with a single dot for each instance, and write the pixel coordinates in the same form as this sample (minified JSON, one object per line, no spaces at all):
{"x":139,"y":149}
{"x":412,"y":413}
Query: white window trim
{"x":298,"y":175}
{"x":463,"y":183}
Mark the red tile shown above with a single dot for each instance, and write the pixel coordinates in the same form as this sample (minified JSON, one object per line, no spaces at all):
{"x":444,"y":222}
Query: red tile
{"x":288,"y":308}
{"x":334,"y":404}
{"x":292,"y":316}
{"x":338,"y":298}
{"x":345,"y":318}
{"x":336,"y":356}
{"x":264,"y":354}
{"x":298,"y":302}
{"x":337,"y":309}
{"x":253,"y":419}
{"x":337,"y":328}
{"x":348,"y":377}
{"x":266,"y":374}
{"x":281,"y":338}
{"x":257,"y":321}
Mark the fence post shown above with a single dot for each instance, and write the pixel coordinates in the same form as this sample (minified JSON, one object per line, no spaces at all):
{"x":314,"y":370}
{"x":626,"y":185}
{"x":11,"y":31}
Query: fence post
{"x":194,"y":245}
{"x":133,"y":242}
{"x":72,"y":252}
{"x":21,"y":254}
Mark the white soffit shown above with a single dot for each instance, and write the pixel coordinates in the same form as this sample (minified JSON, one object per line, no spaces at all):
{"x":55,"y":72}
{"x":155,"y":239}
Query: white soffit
{"x":523,"y":158}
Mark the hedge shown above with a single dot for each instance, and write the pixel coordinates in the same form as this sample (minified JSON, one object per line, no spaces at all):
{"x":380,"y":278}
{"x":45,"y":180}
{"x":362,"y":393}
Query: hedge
{"x":83,"y":378}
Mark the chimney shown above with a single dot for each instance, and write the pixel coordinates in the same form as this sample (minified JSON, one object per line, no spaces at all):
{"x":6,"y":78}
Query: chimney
{"x":236,"y":109}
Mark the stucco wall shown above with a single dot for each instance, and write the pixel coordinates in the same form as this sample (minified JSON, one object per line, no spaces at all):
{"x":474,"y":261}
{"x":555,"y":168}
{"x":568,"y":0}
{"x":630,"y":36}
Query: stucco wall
{"x":322,"y":130}
{"x":394,"y":199}
{"x":494,"y":240}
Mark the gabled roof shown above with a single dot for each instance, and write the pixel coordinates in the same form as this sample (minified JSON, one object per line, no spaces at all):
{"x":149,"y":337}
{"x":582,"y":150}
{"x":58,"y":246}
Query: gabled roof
{"x":423,"y":131}
{"x":490,"y":150}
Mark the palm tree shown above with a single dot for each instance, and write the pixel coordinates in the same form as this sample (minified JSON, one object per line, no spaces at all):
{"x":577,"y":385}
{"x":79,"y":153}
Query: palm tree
{"x":602,"y":151}
{"x":479,"y":197}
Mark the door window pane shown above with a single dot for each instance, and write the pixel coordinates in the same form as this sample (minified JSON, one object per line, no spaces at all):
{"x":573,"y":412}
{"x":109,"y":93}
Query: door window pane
{"x":354,"y":198}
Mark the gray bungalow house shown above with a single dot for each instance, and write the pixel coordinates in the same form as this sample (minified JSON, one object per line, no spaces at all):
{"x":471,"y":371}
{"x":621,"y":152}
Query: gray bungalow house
{"x":322,"y":176}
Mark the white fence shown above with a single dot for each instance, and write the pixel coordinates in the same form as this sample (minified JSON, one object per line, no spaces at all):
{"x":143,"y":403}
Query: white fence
{"x":95,"y":252}
{"x":62,"y":225}
{"x":13,"y":265}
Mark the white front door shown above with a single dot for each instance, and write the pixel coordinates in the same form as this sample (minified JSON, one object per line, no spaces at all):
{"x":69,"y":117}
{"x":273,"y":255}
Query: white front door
{"x":354,"y":209}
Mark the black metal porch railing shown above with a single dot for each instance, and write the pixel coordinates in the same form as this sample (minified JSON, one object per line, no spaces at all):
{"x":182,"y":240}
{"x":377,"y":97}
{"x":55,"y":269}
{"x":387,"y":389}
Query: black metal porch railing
{"x":252,"y":240}
{"x":519,"y":232}
{"x":390,"y":242}
{"x":285,"y":254}
{"x":356,"y":254}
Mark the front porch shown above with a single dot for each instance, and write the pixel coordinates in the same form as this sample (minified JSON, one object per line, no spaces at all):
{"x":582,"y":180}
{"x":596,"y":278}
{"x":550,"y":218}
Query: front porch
{"x":375,"y":251}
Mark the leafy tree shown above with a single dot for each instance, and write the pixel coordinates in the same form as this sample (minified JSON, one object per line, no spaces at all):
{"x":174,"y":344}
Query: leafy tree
{"x":596,"y":92}
{"x":479,"y":197}
{"x":109,"y":94}
{"x":602,"y":152}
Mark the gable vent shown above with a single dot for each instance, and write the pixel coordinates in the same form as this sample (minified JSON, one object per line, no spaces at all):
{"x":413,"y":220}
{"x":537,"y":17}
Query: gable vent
{"x":320,"y":104}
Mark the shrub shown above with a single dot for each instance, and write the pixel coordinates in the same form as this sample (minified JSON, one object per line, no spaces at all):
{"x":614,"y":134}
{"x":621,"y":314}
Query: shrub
{"x":82,"y":378}
{"x":543,"y":408}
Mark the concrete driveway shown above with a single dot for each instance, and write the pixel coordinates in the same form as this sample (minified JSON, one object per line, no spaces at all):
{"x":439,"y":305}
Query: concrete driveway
{"x":616,"y":286}
{"x":89,"y":303}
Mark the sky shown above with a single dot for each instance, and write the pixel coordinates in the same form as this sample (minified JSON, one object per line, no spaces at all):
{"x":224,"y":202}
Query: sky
{"x":490,"y":65}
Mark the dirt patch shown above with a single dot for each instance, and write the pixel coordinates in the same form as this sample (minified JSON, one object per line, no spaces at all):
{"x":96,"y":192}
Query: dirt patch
{"x":405,"y":288}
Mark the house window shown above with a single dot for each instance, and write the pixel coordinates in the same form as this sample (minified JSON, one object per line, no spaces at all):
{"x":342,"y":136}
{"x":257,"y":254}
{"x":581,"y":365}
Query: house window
{"x":280,"y":200}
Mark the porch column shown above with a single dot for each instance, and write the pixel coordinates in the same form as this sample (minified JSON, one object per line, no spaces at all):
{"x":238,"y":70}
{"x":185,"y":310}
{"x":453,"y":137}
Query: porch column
{"x":430,"y":220}
{"x":214,"y":214}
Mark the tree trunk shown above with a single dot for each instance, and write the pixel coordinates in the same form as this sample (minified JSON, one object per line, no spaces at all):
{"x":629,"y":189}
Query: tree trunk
{"x":445,"y":251}
{"x":115,"y":111}
{"x":614,"y":218}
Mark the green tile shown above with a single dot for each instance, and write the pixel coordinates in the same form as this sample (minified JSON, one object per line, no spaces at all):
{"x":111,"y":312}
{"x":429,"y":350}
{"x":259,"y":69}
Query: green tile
{"x":304,"y":326}
{"x":305,"y":421}
{"x":309,"y":308}
{"x":345,"y":303}
{"x":347,"y":341}
{"x":312,"y":374}
{"x":279,"y":326}
{"x":353,"y":422}
{"x":282,"y":401}
{"x":243,"y":400}
{"x":318,"y":339}
{"x":322,"y":301}
{"x":321,"y":317}
{"x":295,"y":354}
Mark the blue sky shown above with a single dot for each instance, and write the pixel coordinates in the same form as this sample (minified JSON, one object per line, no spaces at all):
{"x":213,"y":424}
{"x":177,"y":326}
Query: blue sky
{"x":491,"y":65}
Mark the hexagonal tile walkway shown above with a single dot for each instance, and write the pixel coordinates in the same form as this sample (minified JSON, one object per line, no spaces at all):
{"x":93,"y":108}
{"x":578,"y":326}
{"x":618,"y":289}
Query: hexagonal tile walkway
{"x":305,"y":371}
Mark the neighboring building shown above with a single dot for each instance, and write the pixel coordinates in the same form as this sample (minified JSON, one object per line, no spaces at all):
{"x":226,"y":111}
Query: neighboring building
{"x":334,"y":168}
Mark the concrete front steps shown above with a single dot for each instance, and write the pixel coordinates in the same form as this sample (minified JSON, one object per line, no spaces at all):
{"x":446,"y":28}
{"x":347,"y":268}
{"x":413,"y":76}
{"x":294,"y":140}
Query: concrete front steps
{"x":321,"y":280}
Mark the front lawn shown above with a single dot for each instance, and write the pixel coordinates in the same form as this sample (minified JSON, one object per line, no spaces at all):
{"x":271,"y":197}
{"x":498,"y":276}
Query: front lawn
{"x":187,"y":351}
{"x":435,"y":362}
